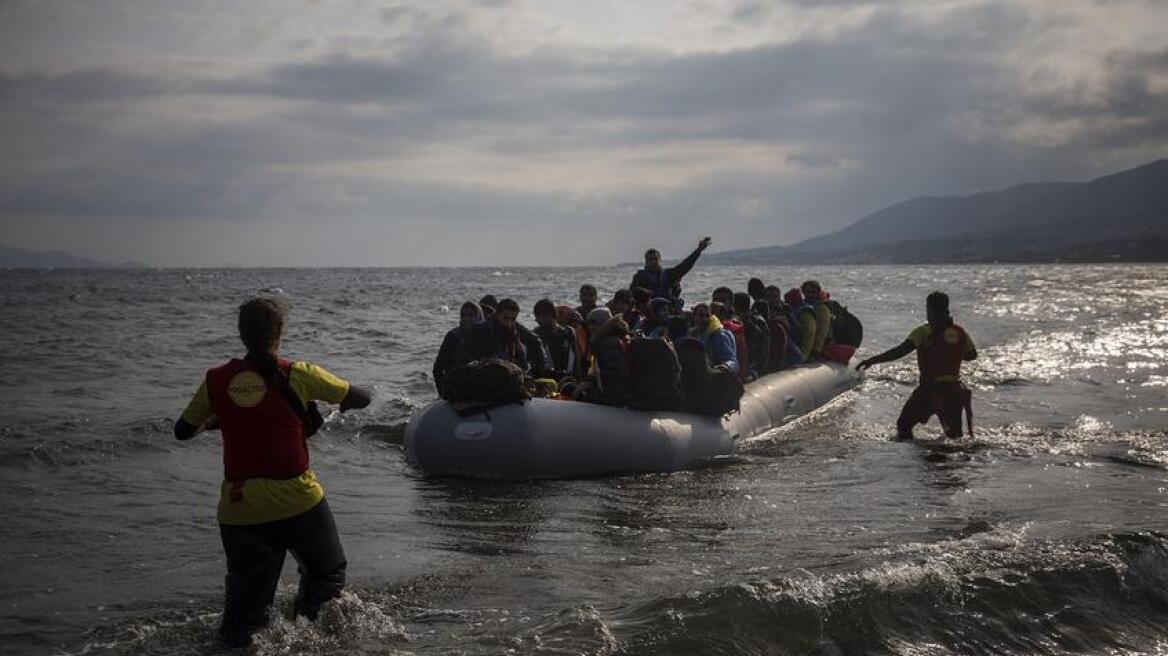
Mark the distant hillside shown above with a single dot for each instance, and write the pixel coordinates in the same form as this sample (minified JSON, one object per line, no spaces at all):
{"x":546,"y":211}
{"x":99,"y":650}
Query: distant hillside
{"x":1123,"y":216}
{"x":18,"y":258}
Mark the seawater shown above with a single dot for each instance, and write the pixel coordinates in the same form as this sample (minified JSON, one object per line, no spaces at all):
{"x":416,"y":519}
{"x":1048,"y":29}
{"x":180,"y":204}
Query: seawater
{"x":1046,"y":533}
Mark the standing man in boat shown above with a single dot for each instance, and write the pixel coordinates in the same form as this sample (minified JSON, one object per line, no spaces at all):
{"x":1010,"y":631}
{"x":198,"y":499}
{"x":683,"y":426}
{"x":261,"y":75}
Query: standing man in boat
{"x":270,"y":501}
{"x":941,"y":347}
{"x":666,"y":283}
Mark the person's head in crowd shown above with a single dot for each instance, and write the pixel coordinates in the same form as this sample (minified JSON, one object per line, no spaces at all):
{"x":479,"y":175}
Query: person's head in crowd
{"x":742,"y":304}
{"x":701,"y":316}
{"x":568,"y":316}
{"x":773,"y":296}
{"x":587,"y":297}
{"x":507,"y":315}
{"x":677,"y":326}
{"x":659,"y":309}
{"x":489,"y":301}
{"x":721,"y":311}
{"x":756,"y":289}
{"x":761,"y":308}
{"x":597,"y":318}
{"x":723,"y":295}
{"x":622,"y":300}
{"x":545,"y":314}
{"x":811,"y":290}
{"x":652,"y":260}
{"x":469,"y":313}
{"x":794,"y":298}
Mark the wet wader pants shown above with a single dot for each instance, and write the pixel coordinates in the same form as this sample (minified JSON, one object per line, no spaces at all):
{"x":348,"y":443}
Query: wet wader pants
{"x":255,"y":556}
{"x":945,"y":400}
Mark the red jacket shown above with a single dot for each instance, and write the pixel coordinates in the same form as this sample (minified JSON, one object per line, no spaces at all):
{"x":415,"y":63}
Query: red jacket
{"x":937,"y":357}
{"x":262,"y":436}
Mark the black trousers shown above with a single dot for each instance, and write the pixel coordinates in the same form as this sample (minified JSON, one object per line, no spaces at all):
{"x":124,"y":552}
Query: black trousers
{"x":255,"y":556}
{"x":941,"y":399}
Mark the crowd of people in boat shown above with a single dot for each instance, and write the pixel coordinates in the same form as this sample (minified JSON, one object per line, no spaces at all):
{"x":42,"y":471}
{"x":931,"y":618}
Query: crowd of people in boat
{"x":643,"y":348}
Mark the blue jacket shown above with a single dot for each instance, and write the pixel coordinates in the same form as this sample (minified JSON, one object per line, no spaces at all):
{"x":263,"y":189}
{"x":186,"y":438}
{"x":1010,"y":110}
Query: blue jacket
{"x":720,"y":348}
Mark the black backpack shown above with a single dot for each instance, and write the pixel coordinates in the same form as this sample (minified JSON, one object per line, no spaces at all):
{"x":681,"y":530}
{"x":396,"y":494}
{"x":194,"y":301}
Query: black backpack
{"x":845,"y":326}
{"x":758,"y":342}
{"x":706,"y":392}
{"x":724,"y":392}
{"x":490,"y":382}
{"x":656,"y":375}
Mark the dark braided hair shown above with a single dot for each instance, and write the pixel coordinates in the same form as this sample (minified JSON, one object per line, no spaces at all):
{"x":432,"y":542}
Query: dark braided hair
{"x":261,"y":323}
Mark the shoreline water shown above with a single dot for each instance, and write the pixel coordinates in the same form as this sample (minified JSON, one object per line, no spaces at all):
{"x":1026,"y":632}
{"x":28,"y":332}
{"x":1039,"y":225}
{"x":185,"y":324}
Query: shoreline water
{"x":1049,"y":525}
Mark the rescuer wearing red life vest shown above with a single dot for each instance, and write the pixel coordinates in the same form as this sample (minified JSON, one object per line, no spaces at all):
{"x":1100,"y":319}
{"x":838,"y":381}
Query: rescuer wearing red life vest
{"x":941,"y":347}
{"x":270,"y":502}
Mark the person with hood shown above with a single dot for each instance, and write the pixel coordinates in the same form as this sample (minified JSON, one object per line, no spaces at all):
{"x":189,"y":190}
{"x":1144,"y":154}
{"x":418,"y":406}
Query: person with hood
{"x":455,"y":349}
{"x":719,"y":345}
{"x":666,"y":283}
{"x":270,"y":501}
{"x":941,"y":347}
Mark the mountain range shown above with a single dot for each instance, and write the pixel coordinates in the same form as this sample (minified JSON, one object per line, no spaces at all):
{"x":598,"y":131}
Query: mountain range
{"x":19,"y":258}
{"x":1119,"y":217}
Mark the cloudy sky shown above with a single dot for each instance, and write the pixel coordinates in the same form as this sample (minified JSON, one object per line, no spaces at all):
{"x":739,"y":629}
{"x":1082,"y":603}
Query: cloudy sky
{"x":544,"y":131}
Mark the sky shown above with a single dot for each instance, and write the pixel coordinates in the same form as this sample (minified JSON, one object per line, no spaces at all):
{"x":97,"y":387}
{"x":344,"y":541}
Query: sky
{"x":544,"y":132}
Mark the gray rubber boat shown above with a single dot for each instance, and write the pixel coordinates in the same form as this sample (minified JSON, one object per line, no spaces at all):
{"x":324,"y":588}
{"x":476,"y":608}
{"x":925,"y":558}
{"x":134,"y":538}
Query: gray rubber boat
{"x":546,"y":438}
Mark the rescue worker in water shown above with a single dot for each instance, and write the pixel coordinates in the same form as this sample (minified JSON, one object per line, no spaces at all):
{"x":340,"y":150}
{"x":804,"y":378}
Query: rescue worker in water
{"x":270,"y":502}
{"x":941,"y":347}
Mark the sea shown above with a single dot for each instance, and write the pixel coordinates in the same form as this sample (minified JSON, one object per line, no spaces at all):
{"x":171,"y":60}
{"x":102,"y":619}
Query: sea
{"x":1044,"y":533}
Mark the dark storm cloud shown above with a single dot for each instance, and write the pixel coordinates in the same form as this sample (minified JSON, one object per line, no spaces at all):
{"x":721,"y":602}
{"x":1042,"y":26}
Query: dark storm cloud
{"x":898,"y":106}
{"x":81,"y":86}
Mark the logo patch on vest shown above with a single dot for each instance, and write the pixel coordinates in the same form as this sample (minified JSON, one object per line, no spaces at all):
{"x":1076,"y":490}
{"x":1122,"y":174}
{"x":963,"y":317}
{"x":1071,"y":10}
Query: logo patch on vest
{"x":246,"y":389}
{"x":951,"y":335}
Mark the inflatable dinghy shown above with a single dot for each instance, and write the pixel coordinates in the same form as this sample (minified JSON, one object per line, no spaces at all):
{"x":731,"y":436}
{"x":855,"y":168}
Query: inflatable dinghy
{"x":547,"y":438}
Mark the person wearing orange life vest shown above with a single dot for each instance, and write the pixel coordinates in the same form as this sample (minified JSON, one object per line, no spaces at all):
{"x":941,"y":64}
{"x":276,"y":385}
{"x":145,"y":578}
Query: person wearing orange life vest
{"x":270,"y":501}
{"x":941,"y":347}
